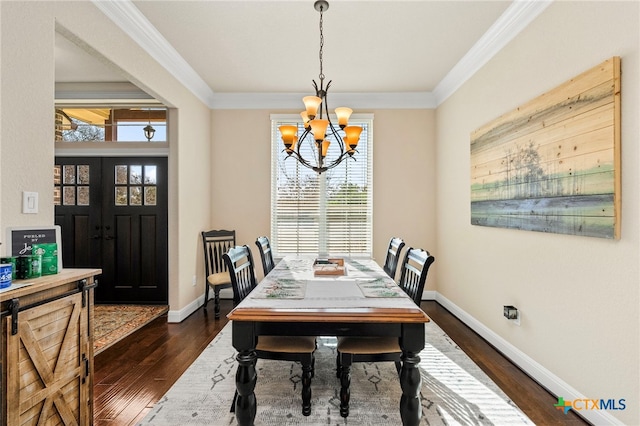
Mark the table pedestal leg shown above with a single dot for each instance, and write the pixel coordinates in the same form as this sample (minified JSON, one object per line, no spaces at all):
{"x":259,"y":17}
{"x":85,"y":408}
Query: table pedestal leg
{"x":306,"y":390}
{"x":345,"y":389}
{"x":245,"y":385}
{"x":410,"y":382}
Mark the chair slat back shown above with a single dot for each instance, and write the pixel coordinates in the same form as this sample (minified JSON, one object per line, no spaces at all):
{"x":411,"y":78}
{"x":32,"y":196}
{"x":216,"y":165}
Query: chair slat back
{"x":393,"y":255}
{"x":239,"y":262}
{"x":415,"y":267}
{"x":266,"y":254}
{"x":216,"y":243}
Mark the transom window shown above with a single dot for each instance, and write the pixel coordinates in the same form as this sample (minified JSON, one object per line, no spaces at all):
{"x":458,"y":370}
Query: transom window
{"x":330,"y":213}
{"x":110,"y":124}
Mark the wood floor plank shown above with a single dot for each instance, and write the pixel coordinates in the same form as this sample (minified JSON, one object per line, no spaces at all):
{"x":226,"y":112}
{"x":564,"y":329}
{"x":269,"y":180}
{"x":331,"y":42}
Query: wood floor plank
{"x":535,"y":401}
{"x":132,"y":375}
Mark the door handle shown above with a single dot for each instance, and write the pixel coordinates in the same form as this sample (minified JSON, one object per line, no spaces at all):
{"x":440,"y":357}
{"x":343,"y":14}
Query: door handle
{"x":108,"y":237}
{"x":97,"y":237}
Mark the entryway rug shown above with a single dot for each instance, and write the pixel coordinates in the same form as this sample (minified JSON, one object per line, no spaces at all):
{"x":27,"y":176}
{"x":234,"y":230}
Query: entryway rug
{"x":113,"y":323}
{"x":454,"y":390}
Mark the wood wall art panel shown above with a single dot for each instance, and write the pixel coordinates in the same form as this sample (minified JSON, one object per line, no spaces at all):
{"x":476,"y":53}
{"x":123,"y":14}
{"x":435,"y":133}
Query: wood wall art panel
{"x":553,"y":164}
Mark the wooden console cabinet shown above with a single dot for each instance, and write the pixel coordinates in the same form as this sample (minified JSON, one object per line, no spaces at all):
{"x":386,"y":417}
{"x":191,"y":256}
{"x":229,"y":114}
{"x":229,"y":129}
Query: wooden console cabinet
{"x":46,"y":343}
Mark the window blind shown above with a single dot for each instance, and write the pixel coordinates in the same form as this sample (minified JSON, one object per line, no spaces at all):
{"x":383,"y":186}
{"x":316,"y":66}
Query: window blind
{"x":326,"y":214}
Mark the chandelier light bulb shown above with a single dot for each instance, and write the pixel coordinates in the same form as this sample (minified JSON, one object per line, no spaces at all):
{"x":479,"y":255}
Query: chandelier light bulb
{"x":352,"y":135}
{"x":289,"y":135}
{"x":325,"y":147}
{"x":311,"y":104}
{"x":319,"y":129}
{"x":305,"y":119}
{"x":343,"y":114}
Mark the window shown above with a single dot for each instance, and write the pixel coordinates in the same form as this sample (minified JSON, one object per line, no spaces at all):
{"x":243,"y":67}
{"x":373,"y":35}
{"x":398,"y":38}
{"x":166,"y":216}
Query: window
{"x":107,"y":124}
{"x":330,"y":213}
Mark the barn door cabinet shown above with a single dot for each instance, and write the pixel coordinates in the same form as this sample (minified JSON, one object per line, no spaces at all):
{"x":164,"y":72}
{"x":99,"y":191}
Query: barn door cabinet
{"x":47,"y":350}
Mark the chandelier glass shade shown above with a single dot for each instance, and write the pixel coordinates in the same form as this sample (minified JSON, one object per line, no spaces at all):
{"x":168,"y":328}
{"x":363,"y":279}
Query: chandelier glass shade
{"x":318,"y":127}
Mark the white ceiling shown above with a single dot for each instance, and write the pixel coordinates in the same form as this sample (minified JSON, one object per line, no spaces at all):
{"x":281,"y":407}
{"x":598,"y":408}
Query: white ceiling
{"x":222,"y":49}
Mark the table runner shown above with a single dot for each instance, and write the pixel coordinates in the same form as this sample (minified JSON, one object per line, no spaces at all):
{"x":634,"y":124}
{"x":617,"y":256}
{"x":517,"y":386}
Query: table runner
{"x":292,"y":285}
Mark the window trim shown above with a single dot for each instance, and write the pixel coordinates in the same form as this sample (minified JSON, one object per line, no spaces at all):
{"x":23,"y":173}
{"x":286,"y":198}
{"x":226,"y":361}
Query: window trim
{"x":276,"y":148}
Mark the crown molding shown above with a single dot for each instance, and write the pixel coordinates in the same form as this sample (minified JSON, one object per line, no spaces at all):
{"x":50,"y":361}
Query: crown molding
{"x":361,"y":101}
{"x":514,"y":19}
{"x":129,"y":18}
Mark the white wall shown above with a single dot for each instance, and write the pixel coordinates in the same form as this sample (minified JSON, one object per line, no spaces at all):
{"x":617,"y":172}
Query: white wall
{"x":26,"y":108}
{"x":579,"y":296}
{"x":189,"y":176}
{"x":26,"y":136}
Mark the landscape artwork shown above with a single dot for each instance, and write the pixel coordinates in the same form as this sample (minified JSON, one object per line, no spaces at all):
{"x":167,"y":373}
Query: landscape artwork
{"x":553,"y":164}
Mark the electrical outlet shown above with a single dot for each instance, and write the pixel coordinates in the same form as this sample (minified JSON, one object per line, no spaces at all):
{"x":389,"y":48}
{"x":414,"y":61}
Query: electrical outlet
{"x":193,"y":281}
{"x":516,"y":320}
{"x":511,"y":313}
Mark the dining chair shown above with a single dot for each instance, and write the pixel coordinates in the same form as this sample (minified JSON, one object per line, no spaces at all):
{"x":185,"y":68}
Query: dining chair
{"x":239,"y":262}
{"x":266,"y":254}
{"x":215,"y":244}
{"x":413,"y":275}
{"x":415,"y":267}
{"x":393,"y":255}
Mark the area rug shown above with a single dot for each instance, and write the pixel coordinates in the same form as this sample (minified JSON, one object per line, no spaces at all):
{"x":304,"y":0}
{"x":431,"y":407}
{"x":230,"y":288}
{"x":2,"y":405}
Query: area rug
{"x":454,"y":390}
{"x":113,"y":323}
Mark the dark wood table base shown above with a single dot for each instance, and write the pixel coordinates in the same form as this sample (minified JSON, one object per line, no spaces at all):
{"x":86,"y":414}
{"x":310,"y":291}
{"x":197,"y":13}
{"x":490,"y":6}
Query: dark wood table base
{"x":411,"y":338}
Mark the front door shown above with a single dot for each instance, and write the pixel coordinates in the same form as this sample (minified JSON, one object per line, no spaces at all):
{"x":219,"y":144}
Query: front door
{"x":113,"y":215}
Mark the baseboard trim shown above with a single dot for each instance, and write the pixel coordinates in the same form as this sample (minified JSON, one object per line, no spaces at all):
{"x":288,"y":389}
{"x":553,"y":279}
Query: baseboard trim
{"x":548,"y":380}
{"x":182,"y":314}
{"x":429,"y":295}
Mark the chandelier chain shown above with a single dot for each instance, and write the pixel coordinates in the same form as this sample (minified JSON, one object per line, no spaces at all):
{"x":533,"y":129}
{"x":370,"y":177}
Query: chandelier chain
{"x":321,"y":75}
{"x":318,"y":130}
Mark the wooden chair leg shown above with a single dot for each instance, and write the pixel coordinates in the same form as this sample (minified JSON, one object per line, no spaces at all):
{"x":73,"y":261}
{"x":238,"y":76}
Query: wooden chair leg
{"x":216,"y":302}
{"x":206,"y":293}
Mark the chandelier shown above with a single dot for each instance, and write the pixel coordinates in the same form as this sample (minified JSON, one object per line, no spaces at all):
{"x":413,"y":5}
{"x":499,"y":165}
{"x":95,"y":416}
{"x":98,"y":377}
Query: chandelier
{"x":318,"y":125}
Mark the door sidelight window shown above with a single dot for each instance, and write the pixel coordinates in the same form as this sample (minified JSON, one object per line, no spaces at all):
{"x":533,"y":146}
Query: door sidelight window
{"x":135,"y":185}
{"x":71,"y":185}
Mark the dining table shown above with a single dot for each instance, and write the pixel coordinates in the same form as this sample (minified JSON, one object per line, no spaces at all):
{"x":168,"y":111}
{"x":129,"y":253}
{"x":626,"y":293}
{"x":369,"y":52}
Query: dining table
{"x":301,"y":297}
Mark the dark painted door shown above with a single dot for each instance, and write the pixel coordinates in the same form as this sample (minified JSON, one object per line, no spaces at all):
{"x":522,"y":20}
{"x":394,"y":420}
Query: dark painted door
{"x":113,"y":215}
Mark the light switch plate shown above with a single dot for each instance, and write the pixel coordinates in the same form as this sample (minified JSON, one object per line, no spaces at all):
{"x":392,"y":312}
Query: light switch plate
{"x":29,"y":202}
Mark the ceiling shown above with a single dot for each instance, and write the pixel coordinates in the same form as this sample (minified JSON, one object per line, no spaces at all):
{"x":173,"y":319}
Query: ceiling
{"x":238,"y":48}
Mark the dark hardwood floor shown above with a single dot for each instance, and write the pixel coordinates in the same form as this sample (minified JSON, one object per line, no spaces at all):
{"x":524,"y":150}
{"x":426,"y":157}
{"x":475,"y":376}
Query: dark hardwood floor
{"x":132,"y":375}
